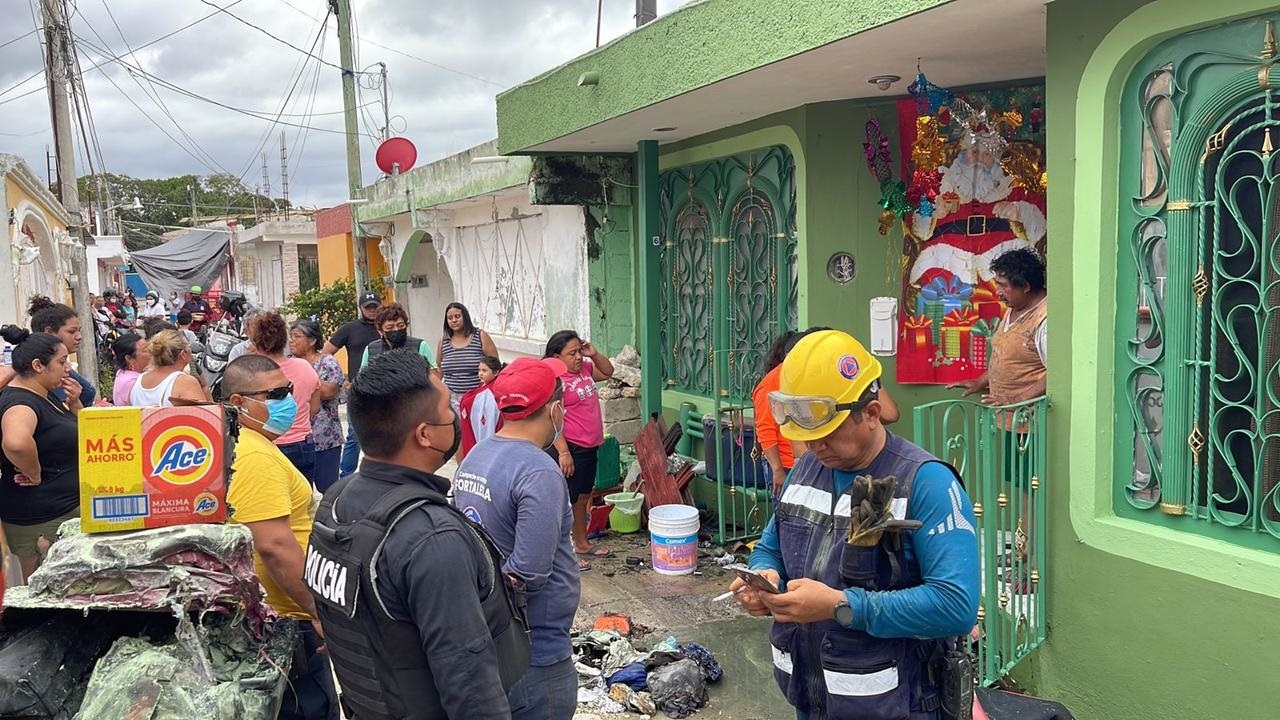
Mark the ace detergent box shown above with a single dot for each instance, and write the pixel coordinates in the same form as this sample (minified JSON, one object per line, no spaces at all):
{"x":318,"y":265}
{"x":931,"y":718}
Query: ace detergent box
{"x":152,"y":467}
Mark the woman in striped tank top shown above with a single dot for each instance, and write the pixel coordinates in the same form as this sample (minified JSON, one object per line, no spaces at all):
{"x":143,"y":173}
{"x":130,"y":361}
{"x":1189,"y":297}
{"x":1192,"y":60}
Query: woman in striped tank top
{"x":461,"y":350}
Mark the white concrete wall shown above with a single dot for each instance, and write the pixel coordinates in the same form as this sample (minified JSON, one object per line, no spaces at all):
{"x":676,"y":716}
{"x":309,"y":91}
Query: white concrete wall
{"x":522,"y":276}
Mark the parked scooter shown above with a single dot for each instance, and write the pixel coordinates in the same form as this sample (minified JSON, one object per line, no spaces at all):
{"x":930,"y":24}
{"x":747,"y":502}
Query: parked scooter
{"x":222,"y":336}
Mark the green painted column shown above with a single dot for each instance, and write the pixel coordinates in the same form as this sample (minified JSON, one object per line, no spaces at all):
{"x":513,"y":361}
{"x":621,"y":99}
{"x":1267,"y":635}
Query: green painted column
{"x":649,"y":246}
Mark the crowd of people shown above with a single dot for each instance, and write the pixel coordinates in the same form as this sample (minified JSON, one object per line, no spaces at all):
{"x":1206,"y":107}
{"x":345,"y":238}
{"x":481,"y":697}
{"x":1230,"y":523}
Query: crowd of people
{"x":433,"y":597}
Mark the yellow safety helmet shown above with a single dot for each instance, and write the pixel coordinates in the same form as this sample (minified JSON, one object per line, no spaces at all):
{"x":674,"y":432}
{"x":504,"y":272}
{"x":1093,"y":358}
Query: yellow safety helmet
{"x":824,"y":375}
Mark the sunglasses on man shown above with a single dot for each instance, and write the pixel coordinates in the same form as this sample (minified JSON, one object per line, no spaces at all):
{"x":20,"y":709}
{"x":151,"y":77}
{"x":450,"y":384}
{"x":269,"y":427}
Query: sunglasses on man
{"x":276,"y":393}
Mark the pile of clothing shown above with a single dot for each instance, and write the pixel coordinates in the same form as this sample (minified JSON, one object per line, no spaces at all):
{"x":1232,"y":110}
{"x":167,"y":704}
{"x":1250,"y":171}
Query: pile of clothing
{"x":619,"y":677}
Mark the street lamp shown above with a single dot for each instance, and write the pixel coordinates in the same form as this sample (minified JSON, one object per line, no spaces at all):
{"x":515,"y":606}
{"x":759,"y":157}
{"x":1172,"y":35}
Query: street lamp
{"x":97,"y":217}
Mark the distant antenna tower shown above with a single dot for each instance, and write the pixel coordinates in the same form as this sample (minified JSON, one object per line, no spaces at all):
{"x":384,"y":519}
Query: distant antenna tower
{"x":284,"y":174}
{"x":266,"y":179}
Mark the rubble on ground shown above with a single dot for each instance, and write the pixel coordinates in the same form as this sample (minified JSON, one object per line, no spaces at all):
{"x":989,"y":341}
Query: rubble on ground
{"x":617,"y":676}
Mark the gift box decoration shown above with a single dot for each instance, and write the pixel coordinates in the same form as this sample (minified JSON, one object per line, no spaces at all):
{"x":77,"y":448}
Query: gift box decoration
{"x":957,"y":327}
{"x":918,"y":333}
{"x":952,"y":292}
{"x":986,"y":301}
{"x":981,"y":340}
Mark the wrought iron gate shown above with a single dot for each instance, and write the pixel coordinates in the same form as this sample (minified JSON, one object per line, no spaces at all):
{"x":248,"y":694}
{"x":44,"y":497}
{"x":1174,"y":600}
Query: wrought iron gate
{"x":729,"y":269}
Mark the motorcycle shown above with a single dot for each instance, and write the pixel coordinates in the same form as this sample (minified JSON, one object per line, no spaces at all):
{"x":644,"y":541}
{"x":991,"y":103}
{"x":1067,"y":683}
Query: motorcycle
{"x":222,"y":336}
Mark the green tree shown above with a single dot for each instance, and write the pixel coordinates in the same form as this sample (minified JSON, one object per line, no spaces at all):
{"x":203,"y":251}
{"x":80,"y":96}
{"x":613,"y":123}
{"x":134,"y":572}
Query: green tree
{"x":332,"y":304}
{"x":166,"y":202}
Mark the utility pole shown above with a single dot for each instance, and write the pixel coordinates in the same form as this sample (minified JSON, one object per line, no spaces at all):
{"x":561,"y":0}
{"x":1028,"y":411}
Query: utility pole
{"x":360,"y":254}
{"x":386,"y":107}
{"x":58,"y":72}
{"x":192,"y":190}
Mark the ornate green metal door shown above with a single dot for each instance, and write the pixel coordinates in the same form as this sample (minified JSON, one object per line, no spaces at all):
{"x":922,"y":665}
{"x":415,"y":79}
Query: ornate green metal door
{"x":1199,"y":300}
{"x":729,"y":267}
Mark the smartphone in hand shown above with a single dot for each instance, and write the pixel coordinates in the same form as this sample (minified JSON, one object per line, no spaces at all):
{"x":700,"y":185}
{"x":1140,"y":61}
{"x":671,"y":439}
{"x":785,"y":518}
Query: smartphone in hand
{"x":756,"y":580}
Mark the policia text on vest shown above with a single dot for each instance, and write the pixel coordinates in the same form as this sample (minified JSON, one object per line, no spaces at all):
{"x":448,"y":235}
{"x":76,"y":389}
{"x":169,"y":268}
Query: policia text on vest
{"x":380,"y":661}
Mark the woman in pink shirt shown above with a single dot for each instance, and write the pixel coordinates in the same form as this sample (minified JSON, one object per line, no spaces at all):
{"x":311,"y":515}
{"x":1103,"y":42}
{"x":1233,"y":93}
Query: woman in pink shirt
{"x":268,"y":335}
{"x":576,"y":449}
{"x":132,"y":356}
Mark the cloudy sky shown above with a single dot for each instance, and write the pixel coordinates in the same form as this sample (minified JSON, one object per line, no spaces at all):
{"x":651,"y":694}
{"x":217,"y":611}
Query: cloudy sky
{"x":446,"y":59}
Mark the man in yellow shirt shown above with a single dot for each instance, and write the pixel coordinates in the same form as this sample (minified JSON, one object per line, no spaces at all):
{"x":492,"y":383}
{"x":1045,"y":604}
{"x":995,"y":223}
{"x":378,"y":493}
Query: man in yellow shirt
{"x":270,"y":497}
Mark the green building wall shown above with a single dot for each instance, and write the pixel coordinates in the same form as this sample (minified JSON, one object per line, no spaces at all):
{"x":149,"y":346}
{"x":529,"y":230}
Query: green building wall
{"x":1145,"y":624}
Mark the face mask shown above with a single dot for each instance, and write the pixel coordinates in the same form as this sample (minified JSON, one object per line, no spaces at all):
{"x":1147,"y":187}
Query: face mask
{"x":280,"y":414}
{"x":396,"y":338}
{"x":457,"y":439}
{"x":558,"y":430}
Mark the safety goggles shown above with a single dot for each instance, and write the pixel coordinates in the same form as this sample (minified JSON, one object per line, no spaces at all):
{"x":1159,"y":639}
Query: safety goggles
{"x":813,"y":411}
{"x":275,"y":393}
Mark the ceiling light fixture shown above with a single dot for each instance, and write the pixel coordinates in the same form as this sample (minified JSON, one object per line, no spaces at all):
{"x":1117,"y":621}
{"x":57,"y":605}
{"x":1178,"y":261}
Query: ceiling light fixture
{"x":664,"y":129}
{"x":884,"y":82}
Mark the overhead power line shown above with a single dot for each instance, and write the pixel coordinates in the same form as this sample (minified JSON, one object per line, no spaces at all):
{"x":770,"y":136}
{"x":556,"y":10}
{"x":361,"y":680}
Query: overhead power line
{"x":273,"y":36}
{"x":23,"y":36}
{"x":260,"y":115}
{"x":433,"y":64}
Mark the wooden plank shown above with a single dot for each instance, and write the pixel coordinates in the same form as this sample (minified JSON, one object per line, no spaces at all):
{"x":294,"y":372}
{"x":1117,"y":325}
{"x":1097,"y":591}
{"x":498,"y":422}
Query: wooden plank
{"x":659,"y":486}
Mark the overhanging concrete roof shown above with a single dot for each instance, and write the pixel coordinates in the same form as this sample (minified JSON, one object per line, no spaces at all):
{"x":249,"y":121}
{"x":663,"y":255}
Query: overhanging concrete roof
{"x":718,"y":63}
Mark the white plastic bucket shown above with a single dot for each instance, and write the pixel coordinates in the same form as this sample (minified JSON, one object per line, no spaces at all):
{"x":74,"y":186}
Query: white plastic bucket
{"x":673,"y":539}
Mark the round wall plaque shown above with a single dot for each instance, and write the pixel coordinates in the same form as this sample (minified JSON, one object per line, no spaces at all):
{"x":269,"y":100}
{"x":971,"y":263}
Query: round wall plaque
{"x":840,"y":267}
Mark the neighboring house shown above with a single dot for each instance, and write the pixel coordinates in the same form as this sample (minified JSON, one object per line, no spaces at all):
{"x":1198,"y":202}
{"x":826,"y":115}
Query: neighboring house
{"x":275,"y":259}
{"x":106,"y":257}
{"x":474,"y":237}
{"x":1163,"y":545}
{"x":37,"y":240}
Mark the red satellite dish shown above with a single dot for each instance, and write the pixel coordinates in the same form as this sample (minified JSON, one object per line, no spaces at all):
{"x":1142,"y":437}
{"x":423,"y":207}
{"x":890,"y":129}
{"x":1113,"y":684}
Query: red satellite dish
{"x":396,"y":155}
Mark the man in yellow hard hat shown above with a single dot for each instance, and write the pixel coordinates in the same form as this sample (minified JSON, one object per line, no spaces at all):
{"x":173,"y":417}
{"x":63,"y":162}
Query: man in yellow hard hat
{"x":872,"y":545}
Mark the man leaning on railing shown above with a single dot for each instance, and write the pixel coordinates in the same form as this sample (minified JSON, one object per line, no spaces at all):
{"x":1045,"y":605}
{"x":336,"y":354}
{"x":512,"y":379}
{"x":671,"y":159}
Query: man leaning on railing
{"x":1018,"y":369}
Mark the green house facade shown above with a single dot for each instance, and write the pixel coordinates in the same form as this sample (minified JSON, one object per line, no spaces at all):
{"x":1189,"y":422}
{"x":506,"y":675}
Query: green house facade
{"x":740,"y":127}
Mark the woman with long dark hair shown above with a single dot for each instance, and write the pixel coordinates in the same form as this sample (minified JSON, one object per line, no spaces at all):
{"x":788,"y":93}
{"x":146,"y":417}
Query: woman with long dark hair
{"x":60,"y":320}
{"x":39,"y":471}
{"x":462,"y":347}
{"x":132,"y":355}
{"x":578,"y":447}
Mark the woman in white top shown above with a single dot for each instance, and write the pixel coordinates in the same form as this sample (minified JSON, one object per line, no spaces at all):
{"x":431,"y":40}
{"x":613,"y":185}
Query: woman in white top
{"x":167,"y":380}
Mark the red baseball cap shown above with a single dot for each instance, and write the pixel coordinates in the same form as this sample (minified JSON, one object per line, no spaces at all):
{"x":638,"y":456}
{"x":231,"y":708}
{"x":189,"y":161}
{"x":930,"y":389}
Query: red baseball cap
{"x":523,"y":387}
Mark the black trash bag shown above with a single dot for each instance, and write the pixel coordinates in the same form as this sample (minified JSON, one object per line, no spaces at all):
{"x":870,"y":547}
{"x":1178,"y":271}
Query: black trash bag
{"x":703,"y":657}
{"x":1001,"y":705}
{"x":679,"y":688}
{"x":44,"y":667}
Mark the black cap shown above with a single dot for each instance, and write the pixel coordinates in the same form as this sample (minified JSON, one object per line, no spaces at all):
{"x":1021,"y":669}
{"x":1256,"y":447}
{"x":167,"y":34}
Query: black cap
{"x":369,"y":298}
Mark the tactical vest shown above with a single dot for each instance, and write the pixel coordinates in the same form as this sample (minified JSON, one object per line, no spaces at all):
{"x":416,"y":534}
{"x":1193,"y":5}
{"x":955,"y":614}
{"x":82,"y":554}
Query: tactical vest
{"x":827,"y":669}
{"x":379,"y":661}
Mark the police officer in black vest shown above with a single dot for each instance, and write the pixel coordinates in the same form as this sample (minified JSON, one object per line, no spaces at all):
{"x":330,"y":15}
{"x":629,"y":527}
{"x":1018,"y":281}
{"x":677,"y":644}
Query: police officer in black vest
{"x":419,"y":620}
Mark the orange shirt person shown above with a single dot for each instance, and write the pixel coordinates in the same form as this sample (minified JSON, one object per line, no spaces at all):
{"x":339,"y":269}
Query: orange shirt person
{"x":779,"y":452}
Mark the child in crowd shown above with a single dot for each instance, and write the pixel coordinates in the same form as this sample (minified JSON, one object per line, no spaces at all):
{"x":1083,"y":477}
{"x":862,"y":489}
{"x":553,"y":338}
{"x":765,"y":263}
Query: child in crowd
{"x":478,"y":411}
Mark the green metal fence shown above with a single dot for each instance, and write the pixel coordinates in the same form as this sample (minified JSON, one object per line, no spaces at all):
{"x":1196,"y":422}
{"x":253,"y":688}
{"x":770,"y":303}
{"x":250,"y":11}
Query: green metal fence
{"x":1000,"y":453}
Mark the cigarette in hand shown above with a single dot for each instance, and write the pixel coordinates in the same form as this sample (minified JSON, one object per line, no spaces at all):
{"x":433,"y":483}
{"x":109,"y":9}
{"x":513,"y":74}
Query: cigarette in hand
{"x":726,"y":596}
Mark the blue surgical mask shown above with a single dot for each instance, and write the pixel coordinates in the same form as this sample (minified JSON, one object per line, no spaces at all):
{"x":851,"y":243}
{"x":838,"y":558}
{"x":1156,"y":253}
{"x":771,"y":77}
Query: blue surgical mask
{"x":280,"y":414}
